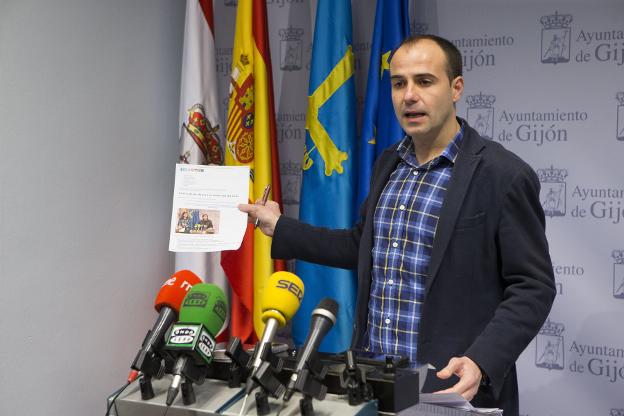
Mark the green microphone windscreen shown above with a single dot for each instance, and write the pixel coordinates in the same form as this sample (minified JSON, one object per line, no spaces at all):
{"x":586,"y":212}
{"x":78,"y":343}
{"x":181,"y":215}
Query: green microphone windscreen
{"x":205,"y":304}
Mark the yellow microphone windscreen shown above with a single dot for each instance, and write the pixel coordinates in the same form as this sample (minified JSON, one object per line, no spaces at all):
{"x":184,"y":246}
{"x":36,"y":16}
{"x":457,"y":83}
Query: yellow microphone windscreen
{"x":282,"y":296}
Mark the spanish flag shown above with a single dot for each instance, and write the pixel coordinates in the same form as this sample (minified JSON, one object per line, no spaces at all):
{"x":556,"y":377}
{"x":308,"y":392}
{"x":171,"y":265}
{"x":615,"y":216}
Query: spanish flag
{"x":251,"y":141}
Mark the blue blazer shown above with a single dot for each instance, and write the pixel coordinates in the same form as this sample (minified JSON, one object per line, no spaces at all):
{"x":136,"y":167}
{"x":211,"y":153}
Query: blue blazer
{"x":490,"y":284}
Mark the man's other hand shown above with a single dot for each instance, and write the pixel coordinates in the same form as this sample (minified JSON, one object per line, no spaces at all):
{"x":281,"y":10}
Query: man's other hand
{"x":469,"y":375}
{"x":268,"y":215}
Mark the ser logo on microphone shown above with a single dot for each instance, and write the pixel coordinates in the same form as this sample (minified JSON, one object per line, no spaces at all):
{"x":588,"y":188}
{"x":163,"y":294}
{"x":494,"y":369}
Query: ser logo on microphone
{"x":291,"y":287}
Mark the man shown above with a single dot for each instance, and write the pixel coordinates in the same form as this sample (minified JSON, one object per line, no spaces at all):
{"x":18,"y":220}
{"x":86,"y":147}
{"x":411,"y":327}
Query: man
{"x":452,"y":259}
{"x":205,"y":225}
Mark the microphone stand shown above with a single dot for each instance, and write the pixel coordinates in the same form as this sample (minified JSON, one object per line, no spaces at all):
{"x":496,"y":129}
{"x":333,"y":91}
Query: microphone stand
{"x":353,"y":378}
{"x":147,"y":390}
{"x":151,"y":360}
{"x":261,"y":371}
{"x":305,"y":406}
{"x":185,"y":373}
{"x":309,"y":382}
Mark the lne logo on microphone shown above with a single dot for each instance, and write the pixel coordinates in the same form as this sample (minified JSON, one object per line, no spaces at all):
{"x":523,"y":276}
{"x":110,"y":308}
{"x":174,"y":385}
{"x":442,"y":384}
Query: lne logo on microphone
{"x":291,"y":287}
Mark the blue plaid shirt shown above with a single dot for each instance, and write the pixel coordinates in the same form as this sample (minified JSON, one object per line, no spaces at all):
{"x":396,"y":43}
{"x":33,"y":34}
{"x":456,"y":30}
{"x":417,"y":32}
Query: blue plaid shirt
{"x":405,"y":224}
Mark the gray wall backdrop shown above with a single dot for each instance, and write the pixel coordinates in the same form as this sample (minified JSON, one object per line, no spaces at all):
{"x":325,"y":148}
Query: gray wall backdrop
{"x":88,"y":127}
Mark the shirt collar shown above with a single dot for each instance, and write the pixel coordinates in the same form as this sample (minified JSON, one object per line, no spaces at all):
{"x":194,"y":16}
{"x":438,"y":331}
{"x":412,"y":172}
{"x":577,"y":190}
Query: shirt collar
{"x":450,"y":152}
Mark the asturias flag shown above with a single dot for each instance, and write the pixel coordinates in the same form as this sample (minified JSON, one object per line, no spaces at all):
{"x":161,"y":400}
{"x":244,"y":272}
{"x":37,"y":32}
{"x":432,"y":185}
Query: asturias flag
{"x":380,"y":127}
{"x":328,"y":182}
{"x":251,"y":141}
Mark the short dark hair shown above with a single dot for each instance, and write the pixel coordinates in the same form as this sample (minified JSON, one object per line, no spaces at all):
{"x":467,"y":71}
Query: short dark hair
{"x":453,"y":56}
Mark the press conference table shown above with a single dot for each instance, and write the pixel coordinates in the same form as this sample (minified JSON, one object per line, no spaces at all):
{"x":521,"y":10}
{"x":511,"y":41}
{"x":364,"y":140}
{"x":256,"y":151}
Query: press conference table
{"x":212,"y":394}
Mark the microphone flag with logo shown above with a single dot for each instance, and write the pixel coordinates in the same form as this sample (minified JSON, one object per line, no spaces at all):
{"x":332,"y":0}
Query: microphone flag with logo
{"x":380,"y":127}
{"x":251,"y":140}
{"x":328,"y":180}
{"x":201,"y":129}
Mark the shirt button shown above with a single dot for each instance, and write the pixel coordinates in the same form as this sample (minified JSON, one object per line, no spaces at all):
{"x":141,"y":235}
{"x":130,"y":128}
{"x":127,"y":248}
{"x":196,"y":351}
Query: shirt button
{"x":402,"y":207}
{"x":387,"y":321}
{"x":390,"y":282}
{"x":395,"y":244}
{"x":415,"y":172}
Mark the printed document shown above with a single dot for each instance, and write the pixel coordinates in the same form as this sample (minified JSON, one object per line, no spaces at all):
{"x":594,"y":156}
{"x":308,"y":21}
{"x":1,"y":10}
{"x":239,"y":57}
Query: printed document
{"x":456,"y":401}
{"x":205,"y":215}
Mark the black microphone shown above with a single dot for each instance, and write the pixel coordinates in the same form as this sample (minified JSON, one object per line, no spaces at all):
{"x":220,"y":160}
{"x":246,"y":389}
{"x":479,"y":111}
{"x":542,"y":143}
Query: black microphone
{"x":151,"y":360}
{"x":323,"y":319}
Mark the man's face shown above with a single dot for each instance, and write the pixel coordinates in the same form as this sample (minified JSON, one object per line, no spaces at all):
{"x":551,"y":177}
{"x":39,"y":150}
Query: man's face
{"x":422,"y":95}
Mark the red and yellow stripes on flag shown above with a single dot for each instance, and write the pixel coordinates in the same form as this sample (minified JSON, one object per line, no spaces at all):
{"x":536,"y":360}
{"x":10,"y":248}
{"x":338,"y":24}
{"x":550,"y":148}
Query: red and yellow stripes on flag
{"x":251,"y":141}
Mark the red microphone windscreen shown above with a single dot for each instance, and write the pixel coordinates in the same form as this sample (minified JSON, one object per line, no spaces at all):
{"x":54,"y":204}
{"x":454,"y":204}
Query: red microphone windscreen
{"x":172,"y":292}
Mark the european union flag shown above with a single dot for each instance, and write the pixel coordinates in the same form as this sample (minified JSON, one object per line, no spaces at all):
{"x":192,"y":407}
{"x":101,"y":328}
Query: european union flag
{"x":380,"y":127}
{"x":328,"y":182}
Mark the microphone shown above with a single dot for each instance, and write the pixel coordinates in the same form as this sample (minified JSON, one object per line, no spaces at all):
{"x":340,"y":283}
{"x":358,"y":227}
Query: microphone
{"x":202,"y":315}
{"x":323,"y":319}
{"x":281,"y":298}
{"x":149,"y":359}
